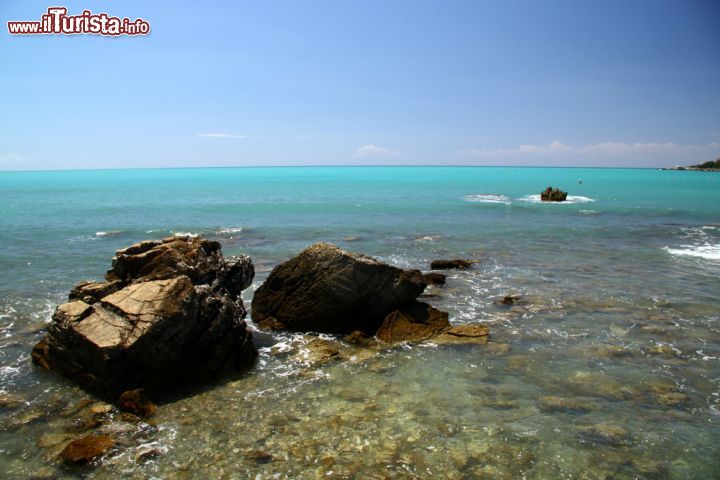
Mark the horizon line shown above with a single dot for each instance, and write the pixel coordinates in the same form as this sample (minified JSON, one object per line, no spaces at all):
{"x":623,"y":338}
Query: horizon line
{"x":101,"y":169}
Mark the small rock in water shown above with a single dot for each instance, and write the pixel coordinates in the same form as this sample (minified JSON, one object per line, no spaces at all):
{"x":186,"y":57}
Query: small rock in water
{"x":551,"y":194}
{"x":462,"y":334}
{"x":413,"y":323}
{"x":136,"y":402}
{"x":322,"y":351}
{"x":510,"y":300}
{"x":451,"y":264}
{"x":86,"y":449}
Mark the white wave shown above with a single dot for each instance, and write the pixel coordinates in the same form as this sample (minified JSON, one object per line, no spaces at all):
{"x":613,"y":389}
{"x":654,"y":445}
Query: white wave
{"x":429,"y":238}
{"x":709,"y":252}
{"x":227,"y":230}
{"x":488,"y":198}
{"x":186,"y":234}
{"x":571,"y":199}
{"x":110,"y":233}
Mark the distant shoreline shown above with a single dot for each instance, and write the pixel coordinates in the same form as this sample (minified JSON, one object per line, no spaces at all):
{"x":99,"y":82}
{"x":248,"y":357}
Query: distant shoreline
{"x":711,"y":166}
{"x":110,"y":169}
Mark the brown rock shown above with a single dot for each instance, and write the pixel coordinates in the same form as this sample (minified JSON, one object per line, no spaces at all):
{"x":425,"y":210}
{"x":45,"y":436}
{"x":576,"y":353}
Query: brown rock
{"x":136,"y":402}
{"x":464,"y":334}
{"x":91,"y":292}
{"x":413,"y":323}
{"x":357,"y":337}
{"x":327,"y":289}
{"x":11,"y":401}
{"x":434,"y":278}
{"x":170,"y":313}
{"x":457,"y":263}
{"x":321,"y":351}
{"x":86,"y":449}
{"x":551,"y":194}
{"x":510,"y":300}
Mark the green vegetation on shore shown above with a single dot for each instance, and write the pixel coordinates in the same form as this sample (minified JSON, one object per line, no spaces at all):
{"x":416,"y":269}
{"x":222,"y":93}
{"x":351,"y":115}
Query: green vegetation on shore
{"x":707,"y":166}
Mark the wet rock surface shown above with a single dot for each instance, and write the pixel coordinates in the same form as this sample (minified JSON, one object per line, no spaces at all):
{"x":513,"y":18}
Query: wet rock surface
{"x":326,"y":289}
{"x":86,"y":449}
{"x":551,"y":194}
{"x":414,"y":322}
{"x":451,"y":264}
{"x":169,"y":314}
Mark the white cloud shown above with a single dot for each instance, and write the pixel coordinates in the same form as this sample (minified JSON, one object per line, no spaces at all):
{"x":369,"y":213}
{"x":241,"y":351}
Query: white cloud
{"x":9,"y":157}
{"x":368,"y":151}
{"x":602,"y":148}
{"x":220,"y":135}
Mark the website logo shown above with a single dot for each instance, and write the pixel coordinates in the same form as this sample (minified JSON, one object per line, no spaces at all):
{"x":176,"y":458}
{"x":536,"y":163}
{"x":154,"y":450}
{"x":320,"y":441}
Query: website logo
{"x":57,"y":22}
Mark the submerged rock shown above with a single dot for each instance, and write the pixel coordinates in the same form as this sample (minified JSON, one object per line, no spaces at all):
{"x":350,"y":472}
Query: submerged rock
{"x":11,"y":401}
{"x":604,"y":433}
{"x":551,"y":194}
{"x":170,"y":313}
{"x":510,"y":300}
{"x":453,"y":264}
{"x":321,"y":351}
{"x":459,"y":334}
{"x":327,"y":289}
{"x":86,"y":449}
{"x":552,"y":403}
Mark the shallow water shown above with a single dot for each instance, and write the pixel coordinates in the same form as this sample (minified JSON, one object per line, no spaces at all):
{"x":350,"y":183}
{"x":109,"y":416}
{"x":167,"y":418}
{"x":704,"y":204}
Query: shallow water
{"x":609,"y":370}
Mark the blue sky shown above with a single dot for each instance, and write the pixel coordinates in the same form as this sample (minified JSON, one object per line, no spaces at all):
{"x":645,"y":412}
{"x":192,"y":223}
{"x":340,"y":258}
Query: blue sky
{"x":611,"y":83}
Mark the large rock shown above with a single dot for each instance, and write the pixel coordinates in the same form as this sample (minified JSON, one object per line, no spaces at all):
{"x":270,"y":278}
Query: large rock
{"x":170,"y":313}
{"x":551,"y":194}
{"x":327,"y":289}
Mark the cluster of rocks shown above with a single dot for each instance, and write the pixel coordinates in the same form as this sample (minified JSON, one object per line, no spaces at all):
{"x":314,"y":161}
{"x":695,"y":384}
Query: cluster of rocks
{"x":328,"y":290}
{"x":168,"y":314}
{"x":551,"y":194}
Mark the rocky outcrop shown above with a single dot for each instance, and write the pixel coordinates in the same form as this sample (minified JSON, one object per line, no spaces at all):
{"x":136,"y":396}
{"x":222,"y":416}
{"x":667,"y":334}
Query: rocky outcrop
{"x":327,"y":289}
{"x":551,"y":194}
{"x":169,"y":313}
{"x":453,"y":264}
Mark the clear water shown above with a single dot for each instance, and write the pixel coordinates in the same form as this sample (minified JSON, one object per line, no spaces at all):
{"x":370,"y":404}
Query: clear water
{"x":611,"y":370}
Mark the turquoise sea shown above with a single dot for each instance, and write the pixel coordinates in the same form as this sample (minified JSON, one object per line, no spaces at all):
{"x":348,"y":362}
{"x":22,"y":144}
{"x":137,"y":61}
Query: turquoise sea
{"x":611,"y":370}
